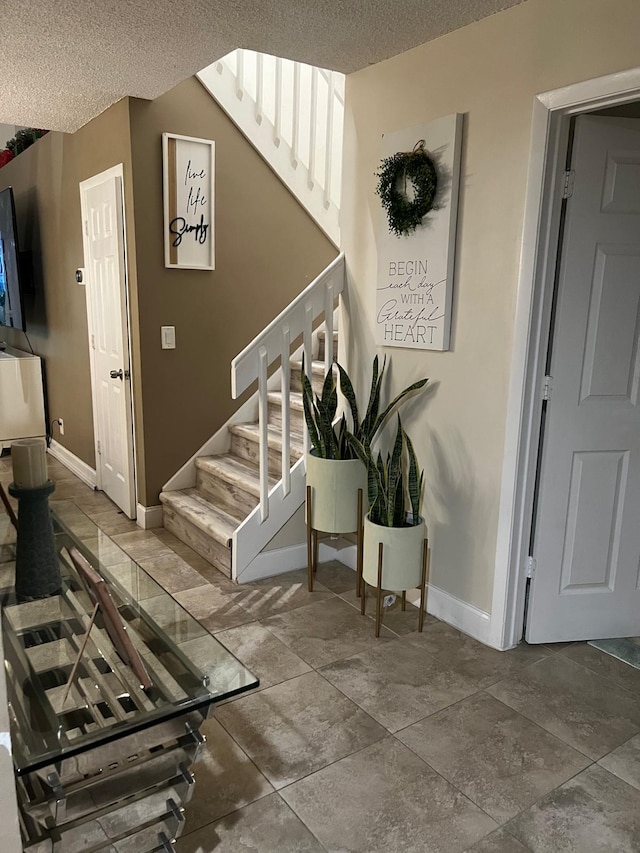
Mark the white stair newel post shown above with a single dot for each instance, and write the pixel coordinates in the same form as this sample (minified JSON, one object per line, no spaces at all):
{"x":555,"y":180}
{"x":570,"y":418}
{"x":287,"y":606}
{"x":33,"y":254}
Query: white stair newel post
{"x":328,"y":323}
{"x":295,"y":130}
{"x":259,"y":87}
{"x":240,"y":74}
{"x":286,"y":411}
{"x":313,"y":123}
{"x":277,"y":121}
{"x":307,"y":336}
{"x":328,"y":156}
{"x":264,"y":437}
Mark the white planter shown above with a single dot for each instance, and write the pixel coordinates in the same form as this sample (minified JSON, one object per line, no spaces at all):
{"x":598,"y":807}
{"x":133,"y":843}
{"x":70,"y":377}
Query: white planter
{"x":334,"y":493}
{"x":402,"y":555}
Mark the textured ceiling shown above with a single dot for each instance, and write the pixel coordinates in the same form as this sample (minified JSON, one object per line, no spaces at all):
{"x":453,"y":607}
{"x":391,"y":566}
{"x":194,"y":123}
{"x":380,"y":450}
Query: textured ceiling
{"x":63,"y":62}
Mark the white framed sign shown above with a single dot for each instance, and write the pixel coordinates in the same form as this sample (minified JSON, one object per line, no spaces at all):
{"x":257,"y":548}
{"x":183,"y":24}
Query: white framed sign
{"x":415,"y":272}
{"x":188,"y":191}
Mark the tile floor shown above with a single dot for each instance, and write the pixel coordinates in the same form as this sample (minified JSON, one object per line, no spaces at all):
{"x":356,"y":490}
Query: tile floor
{"x":413,"y":742}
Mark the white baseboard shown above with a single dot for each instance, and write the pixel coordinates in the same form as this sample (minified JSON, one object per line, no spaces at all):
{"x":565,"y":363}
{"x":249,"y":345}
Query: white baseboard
{"x":271,"y":563}
{"x":460,"y":614}
{"x":149,"y":517}
{"x":83,"y":471}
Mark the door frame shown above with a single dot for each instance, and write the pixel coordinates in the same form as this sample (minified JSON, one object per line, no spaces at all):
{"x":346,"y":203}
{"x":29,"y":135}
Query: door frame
{"x":552,"y":112}
{"x":113,"y":172}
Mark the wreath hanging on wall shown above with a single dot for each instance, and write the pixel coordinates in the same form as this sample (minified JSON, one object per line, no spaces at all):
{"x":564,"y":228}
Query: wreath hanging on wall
{"x":405,"y":214}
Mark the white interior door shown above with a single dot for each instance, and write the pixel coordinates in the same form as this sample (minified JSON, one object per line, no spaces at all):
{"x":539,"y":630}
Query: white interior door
{"x":102,"y":213}
{"x":586,"y":583}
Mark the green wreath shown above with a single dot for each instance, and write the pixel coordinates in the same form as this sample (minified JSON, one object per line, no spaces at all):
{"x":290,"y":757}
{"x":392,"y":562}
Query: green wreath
{"x":405,"y":215}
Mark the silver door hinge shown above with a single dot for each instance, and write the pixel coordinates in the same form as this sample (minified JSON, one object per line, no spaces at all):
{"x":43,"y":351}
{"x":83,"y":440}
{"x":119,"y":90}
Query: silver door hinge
{"x":86,"y":227}
{"x":546,"y":388}
{"x":93,"y":341}
{"x":567,"y":186}
{"x":99,"y":448}
{"x":531,"y":567}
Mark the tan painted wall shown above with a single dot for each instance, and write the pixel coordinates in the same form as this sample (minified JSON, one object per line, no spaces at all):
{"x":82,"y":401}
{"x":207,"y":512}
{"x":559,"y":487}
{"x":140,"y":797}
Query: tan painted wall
{"x":45,"y":181}
{"x":267,"y":251}
{"x":490,"y":72}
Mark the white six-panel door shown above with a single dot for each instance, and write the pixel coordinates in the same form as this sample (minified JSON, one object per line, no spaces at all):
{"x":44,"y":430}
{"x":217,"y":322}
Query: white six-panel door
{"x":109,"y":341}
{"x":587,"y":535}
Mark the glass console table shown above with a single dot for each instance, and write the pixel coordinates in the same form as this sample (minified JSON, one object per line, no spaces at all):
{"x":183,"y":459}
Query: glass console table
{"x":104,"y":766}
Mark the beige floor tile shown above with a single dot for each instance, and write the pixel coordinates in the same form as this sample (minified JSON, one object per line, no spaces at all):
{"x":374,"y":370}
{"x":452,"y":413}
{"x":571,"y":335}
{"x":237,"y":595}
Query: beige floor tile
{"x":399,"y":683}
{"x":595,"y":812}
{"x":214,"y":609}
{"x":174,"y":621}
{"x":172,"y":572}
{"x":336,"y":576}
{"x":266,"y":826}
{"x":326,"y":631}
{"x":259,"y":650}
{"x":136,"y":583}
{"x":499,"y":841}
{"x":473,"y":659}
{"x":581,"y":708}
{"x":401,"y":622}
{"x":624,"y":761}
{"x":141,"y":544}
{"x":622,"y":674}
{"x":226,"y":779}
{"x":277,"y":595}
{"x":297,"y":727}
{"x":113,"y":522}
{"x":382,"y":799}
{"x":503,"y":762}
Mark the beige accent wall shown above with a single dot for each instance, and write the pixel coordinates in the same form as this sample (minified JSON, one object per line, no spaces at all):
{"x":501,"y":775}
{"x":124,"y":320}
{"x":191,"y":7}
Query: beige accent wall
{"x":45,"y":180}
{"x":267,"y":250}
{"x":489,"y":71}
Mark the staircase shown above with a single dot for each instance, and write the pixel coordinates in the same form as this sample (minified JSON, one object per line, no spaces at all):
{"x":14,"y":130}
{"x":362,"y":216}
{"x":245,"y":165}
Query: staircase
{"x":238,"y":490}
{"x":293,"y":114}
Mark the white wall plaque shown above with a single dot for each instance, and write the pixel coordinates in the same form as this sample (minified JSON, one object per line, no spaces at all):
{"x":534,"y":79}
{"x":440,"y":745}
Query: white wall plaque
{"x":188,"y":186}
{"x":415,"y":272}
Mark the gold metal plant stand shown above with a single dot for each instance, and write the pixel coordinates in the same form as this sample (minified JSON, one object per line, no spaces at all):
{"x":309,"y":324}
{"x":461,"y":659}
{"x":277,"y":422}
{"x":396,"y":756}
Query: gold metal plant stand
{"x":423,"y":589}
{"x":312,"y":543}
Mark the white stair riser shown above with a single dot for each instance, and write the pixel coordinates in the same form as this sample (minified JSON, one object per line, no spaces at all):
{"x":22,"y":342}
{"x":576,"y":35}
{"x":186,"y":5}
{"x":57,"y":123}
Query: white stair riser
{"x":207,"y":547}
{"x":230,"y":497}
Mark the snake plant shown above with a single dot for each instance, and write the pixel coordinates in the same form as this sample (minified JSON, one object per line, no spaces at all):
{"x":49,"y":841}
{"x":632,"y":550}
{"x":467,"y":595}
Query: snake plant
{"x":329,"y":440}
{"x":390,"y":481}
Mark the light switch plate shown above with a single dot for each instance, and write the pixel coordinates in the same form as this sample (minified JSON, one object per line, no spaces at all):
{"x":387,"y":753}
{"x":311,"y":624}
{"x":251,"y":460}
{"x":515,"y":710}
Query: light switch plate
{"x":168,"y":337}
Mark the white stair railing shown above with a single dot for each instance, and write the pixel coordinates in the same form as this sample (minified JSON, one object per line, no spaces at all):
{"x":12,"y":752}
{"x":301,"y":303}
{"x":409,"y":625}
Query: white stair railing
{"x":293,"y":114}
{"x":278,"y":504}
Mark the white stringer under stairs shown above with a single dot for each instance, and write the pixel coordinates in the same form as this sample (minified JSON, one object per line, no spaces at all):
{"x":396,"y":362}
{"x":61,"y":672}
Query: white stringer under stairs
{"x":231,"y":498}
{"x":293,"y":114}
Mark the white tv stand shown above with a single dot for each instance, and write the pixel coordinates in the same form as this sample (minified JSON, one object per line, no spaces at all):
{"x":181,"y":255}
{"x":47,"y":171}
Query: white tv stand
{"x":21,"y":397}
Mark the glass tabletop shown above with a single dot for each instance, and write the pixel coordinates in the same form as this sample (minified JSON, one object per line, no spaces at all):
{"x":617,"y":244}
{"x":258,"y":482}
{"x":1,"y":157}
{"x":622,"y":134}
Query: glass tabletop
{"x":188,"y":668}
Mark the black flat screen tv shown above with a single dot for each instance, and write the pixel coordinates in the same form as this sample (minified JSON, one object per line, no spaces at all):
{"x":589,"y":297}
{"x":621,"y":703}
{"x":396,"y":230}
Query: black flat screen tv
{"x":11,"y":307}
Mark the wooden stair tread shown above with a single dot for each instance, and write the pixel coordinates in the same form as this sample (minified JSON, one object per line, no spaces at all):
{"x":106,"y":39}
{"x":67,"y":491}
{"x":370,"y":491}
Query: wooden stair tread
{"x":294,"y":396}
{"x":195,"y":508}
{"x":317,"y":367}
{"x":234,"y":470}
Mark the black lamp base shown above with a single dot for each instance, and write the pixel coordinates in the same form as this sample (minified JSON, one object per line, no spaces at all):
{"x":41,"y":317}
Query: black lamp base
{"x":37,"y":563}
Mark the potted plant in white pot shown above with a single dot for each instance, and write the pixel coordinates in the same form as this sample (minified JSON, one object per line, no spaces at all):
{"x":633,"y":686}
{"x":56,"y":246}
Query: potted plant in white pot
{"x":395,"y":546}
{"x":336,"y":478}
